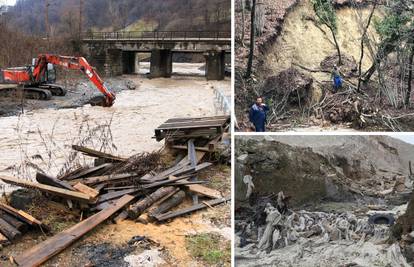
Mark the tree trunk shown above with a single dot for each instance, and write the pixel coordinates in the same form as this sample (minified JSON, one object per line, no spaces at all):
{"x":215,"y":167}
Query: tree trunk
{"x":362,"y":46}
{"x":243,"y":22}
{"x":410,"y":77}
{"x":336,"y":46}
{"x":259,"y":17}
{"x":252,"y":35}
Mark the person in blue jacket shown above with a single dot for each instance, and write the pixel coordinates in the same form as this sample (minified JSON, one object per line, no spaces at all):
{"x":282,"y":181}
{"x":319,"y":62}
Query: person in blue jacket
{"x":257,"y":115}
{"x":337,"y":80}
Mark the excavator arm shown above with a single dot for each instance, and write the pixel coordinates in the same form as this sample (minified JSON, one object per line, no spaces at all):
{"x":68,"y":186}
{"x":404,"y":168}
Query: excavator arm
{"x":74,"y":63}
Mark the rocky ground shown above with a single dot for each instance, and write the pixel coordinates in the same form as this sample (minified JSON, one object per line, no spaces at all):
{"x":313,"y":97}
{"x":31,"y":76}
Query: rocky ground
{"x":344,"y":193}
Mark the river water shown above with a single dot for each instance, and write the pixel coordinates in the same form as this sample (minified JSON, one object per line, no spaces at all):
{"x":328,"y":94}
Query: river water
{"x":44,"y":136}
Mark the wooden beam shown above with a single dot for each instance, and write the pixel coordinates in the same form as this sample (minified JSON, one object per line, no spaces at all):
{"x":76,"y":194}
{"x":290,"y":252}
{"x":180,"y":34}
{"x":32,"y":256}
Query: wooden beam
{"x":170,"y":203}
{"x":173,"y":214}
{"x":105,"y":178}
{"x":8,"y":230}
{"x":19,"y":225}
{"x":52,"y":181}
{"x":203,"y":190}
{"x":21,"y":215}
{"x":135,"y":210}
{"x":48,"y":189}
{"x":45,"y":250}
{"x":90,"y":171}
{"x":203,"y":149}
{"x":93,"y":193}
{"x":97,"y":154}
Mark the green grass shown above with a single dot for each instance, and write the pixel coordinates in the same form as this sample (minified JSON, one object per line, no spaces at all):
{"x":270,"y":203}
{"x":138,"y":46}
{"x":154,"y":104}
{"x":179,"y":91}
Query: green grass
{"x":210,"y":248}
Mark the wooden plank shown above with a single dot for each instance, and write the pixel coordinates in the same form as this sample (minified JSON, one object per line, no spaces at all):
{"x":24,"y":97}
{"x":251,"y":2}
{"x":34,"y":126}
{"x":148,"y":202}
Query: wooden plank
{"x":8,"y":230}
{"x":86,"y":190}
{"x":45,"y":250}
{"x":21,"y":215}
{"x":203,"y":190}
{"x":106,"y":178}
{"x":52,"y":181}
{"x":173,"y":214}
{"x":193,"y":163}
{"x":97,"y":154}
{"x":223,"y":117}
{"x":195,"y":124}
{"x":196,"y":148}
{"x":116,"y":194}
{"x":89,"y":171}
{"x":48,"y":189}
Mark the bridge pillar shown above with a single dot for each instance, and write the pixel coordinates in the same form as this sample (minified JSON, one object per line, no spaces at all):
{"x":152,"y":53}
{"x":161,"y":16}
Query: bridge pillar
{"x":161,"y":63}
{"x":113,"y":62}
{"x":128,"y":62}
{"x":215,"y":64}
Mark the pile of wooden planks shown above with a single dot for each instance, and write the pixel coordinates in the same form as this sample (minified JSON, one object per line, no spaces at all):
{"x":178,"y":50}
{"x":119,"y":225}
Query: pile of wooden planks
{"x":14,"y":223}
{"x":179,"y":128}
{"x":125,"y":187}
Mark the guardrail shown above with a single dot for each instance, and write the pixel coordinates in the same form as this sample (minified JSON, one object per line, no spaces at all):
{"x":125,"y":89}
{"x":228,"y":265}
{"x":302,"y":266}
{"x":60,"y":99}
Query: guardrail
{"x":157,"y":35}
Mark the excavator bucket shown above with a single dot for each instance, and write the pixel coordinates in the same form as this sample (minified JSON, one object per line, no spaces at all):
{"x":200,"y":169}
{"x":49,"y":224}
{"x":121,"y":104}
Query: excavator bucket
{"x":100,"y":101}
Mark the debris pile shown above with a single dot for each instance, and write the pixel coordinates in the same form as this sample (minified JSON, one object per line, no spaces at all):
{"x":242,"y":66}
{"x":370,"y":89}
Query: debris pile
{"x":14,"y":223}
{"x":274,"y":232}
{"x":130,"y":187}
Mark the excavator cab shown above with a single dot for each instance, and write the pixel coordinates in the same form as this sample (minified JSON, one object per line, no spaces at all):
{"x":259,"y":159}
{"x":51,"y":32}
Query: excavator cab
{"x":49,"y":75}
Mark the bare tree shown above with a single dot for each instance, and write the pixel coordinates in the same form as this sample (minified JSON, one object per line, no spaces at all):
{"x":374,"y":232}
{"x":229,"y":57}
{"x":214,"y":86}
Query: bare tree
{"x":325,"y":12}
{"x":410,"y":77}
{"x":252,"y":40}
{"x":259,"y":17}
{"x":363,"y":38}
{"x":243,"y":7}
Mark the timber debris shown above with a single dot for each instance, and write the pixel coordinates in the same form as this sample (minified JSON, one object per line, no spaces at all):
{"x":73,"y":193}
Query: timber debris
{"x":126,"y":187}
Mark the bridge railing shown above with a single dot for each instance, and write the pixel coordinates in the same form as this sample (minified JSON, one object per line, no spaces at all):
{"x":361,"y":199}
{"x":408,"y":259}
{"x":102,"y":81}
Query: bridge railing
{"x":157,"y":35}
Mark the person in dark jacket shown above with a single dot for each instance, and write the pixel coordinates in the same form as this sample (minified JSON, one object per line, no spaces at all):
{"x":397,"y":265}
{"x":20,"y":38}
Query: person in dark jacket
{"x":257,"y":115}
{"x":337,"y":79}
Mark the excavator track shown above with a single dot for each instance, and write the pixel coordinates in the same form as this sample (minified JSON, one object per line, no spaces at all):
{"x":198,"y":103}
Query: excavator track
{"x":37,"y":93}
{"x":56,"y":90}
{"x":29,"y":93}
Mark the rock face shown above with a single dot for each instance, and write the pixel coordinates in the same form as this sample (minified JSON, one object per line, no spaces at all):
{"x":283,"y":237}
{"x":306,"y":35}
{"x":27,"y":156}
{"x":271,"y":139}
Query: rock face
{"x":275,"y":167}
{"x":311,"y":168}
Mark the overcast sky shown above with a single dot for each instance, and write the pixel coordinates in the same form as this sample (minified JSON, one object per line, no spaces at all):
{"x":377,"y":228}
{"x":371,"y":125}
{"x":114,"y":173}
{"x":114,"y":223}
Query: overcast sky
{"x":7,"y":2}
{"x":405,"y":138}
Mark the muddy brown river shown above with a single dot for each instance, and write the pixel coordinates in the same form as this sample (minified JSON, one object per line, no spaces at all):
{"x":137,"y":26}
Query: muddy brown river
{"x":45,"y":136}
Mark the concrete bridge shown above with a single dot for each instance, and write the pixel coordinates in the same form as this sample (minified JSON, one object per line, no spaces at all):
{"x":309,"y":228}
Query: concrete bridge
{"x":115,"y":53}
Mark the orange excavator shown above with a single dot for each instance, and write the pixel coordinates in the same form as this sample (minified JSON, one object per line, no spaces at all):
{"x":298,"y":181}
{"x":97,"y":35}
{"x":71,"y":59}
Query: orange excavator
{"x":36,"y":80}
